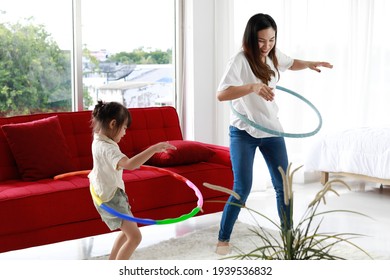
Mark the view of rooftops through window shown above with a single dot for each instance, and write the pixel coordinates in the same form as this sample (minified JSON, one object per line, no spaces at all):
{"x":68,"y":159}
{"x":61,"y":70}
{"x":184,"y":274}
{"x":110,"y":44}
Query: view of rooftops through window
{"x":127,"y":49}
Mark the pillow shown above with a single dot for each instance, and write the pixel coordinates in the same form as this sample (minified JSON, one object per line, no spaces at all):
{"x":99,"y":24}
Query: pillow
{"x":187,"y":152}
{"x":39,"y":148}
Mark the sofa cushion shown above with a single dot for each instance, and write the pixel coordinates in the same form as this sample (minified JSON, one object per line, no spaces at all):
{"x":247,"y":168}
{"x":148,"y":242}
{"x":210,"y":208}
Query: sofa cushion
{"x":27,"y":206}
{"x":187,"y":152}
{"x":39,"y":148}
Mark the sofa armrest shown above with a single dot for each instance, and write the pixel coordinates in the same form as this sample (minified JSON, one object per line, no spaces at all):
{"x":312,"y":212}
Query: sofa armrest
{"x":221,"y":156}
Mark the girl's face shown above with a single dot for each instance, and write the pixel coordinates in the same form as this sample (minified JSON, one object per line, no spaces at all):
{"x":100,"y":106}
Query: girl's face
{"x":266,"y":39}
{"x":120,"y":134}
{"x":115,"y":134}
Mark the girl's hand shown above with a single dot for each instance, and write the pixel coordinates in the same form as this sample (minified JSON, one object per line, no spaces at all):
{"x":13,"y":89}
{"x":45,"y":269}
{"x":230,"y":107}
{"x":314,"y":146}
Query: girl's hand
{"x":264,"y":91}
{"x":163,"y":147}
{"x":139,"y":159}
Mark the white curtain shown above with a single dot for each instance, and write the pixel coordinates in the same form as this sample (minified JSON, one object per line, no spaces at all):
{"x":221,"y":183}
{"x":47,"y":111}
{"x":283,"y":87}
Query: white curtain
{"x":353,"y":36}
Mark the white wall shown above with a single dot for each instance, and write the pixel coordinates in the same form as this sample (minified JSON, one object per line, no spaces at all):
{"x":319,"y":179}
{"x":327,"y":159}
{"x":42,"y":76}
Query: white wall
{"x":208,"y":40}
{"x":199,"y":101}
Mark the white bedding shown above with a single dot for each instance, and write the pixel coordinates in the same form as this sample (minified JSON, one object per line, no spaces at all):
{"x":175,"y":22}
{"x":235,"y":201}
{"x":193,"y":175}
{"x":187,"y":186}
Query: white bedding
{"x":363,"y":151}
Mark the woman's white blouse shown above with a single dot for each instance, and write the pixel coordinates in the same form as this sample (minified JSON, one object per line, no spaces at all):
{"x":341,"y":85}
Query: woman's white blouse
{"x":253,"y":106}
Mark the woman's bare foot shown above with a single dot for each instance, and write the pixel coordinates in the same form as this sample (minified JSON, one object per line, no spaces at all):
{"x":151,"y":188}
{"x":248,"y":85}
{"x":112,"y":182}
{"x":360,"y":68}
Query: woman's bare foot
{"x":223,"y":248}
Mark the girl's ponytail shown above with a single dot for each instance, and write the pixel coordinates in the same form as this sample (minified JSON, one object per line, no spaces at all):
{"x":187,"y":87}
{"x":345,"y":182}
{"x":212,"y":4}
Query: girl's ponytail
{"x":97,"y":110}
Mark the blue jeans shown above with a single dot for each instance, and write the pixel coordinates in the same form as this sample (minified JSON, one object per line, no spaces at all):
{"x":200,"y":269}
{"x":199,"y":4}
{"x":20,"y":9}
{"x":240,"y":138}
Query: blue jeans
{"x":242,"y":153}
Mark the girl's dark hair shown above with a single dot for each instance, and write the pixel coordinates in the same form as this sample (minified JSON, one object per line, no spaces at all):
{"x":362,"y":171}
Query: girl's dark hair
{"x":251,"y":49}
{"x":104,"y":113}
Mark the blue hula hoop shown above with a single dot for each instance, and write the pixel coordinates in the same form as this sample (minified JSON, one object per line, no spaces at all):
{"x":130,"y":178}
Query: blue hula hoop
{"x":280,"y":133}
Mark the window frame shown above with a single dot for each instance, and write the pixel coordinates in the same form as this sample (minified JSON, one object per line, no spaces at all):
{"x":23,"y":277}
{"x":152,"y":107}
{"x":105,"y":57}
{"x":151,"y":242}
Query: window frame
{"x":77,"y":53}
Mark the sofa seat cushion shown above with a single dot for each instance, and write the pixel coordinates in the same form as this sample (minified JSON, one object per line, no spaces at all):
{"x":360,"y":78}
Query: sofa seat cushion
{"x":28,"y":206}
{"x":48,"y":203}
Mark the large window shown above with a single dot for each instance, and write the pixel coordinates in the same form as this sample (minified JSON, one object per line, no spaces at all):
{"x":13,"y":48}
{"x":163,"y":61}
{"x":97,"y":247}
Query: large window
{"x":126,"y":49}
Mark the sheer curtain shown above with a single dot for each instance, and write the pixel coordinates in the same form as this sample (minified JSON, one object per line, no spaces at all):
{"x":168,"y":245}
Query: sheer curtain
{"x":351,"y":34}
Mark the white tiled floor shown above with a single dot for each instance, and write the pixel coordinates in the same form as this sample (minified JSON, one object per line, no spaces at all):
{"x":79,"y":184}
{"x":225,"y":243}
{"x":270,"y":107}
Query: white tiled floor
{"x":366,"y":198}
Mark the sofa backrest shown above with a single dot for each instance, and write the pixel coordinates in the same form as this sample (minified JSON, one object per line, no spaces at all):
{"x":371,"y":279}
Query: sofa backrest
{"x":149,"y":126}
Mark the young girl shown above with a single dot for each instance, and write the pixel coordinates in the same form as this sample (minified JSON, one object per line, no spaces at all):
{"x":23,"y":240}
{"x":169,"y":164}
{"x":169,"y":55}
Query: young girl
{"x":249,"y":82}
{"x":110,"y":121}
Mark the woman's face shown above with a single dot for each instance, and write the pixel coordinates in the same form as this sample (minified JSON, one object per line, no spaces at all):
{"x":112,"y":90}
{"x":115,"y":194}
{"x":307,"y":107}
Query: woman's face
{"x":266,"y":40}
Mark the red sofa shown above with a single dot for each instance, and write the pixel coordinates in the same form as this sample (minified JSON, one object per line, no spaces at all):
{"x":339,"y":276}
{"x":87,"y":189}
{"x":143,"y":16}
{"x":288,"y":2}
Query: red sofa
{"x":36,"y":209}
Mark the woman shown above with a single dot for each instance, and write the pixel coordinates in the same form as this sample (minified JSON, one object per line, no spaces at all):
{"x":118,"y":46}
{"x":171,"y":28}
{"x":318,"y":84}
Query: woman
{"x":249,"y":82}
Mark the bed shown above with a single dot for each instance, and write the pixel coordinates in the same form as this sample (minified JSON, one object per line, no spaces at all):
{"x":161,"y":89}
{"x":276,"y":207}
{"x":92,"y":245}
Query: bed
{"x":362,"y":153}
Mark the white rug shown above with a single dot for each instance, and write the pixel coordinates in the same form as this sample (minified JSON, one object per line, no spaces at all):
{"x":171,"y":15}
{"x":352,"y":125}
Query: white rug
{"x":200,"y":245}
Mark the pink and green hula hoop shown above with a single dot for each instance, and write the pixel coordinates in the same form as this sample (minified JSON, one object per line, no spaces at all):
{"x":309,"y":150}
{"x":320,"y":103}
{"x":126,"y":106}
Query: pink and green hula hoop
{"x":144,"y":221}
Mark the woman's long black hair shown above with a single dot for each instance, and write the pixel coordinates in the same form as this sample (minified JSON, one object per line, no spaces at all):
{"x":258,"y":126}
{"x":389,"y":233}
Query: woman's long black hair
{"x":251,"y":49}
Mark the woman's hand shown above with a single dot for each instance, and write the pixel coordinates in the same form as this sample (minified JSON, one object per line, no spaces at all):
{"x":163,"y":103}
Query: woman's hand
{"x":314,"y":65}
{"x":234,"y":92}
{"x":264,"y":91}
